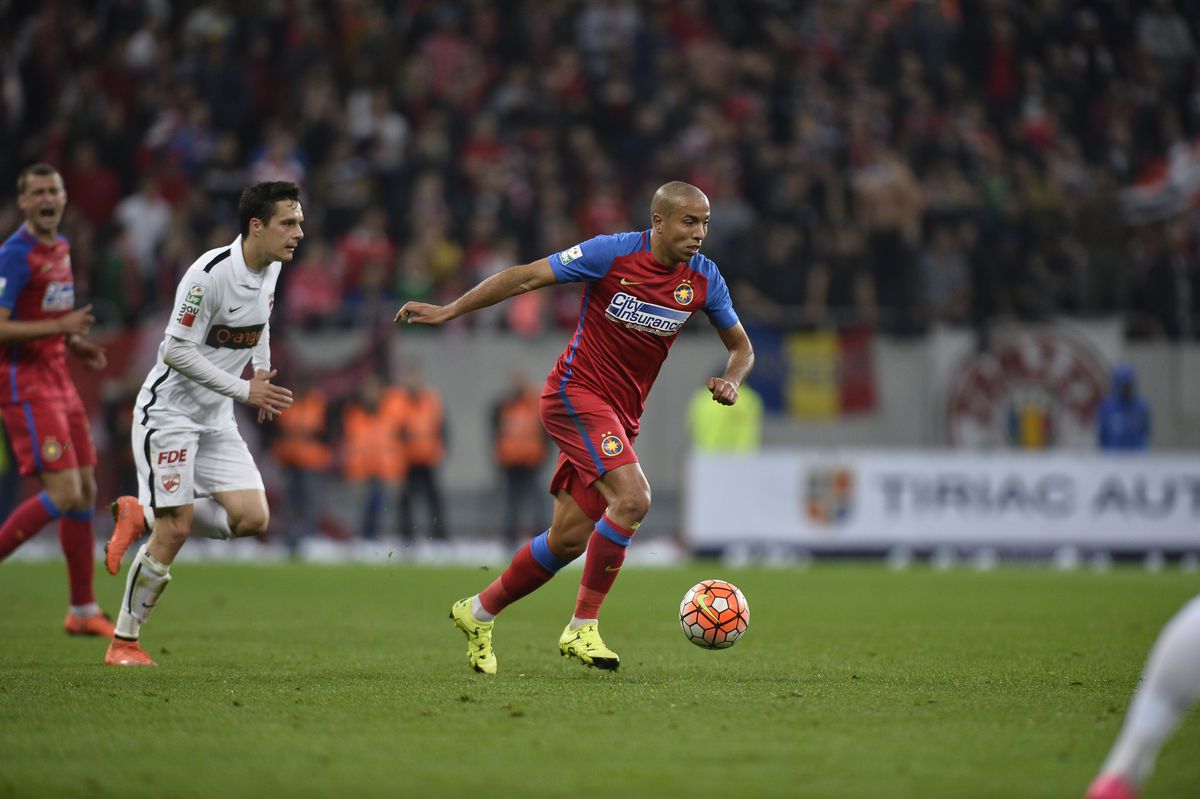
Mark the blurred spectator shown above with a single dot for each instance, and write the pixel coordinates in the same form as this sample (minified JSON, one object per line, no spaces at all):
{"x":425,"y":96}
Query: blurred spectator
{"x":520,"y":446}
{"x":945,"y":277}
{"x":302,"y":448}
{"x":1123,"y":421}
{"x":425,"y":439}
{"x":312,"y":295}
{"x":95,"y":187}
{"x":367,"y":243}
{"x":145,"y":218}
{"x":1167,"y":291}
{"x":713,"y":427}
{"x":372,"y":450}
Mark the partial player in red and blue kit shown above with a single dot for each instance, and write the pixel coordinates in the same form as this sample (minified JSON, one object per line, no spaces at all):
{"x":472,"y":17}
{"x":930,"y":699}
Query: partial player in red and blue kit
{"x":43,"y":414}
{"x":639,"y":290}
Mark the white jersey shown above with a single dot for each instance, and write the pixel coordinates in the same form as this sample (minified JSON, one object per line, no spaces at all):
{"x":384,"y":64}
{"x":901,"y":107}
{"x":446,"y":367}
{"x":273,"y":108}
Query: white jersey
{"x":224,"y":308}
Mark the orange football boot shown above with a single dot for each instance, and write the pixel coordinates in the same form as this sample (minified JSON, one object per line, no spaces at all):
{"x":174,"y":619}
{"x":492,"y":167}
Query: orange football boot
{"x":130,"y":524}
{"x":98,"y":625}
{"x":126,"y":653}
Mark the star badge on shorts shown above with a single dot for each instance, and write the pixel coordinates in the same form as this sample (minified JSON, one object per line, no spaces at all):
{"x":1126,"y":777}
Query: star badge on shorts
{"x":51,"y":449}
{"x":611,"y":445}
{"x":684,"y":293}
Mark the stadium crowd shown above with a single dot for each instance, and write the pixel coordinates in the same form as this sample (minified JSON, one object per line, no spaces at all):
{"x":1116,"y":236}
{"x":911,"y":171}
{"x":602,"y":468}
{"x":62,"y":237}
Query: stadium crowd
{"x":890,"y":164}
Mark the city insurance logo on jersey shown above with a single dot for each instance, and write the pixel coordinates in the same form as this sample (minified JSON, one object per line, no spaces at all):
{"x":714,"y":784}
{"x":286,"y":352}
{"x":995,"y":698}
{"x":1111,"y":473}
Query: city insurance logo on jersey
{"x":646,"y":316}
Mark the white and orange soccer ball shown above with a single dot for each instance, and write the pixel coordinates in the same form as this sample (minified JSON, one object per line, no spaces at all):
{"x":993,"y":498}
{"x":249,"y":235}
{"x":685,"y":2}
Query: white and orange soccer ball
{"x":714,"y":614}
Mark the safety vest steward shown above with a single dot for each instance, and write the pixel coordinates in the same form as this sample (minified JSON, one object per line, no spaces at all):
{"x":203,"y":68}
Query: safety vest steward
{"x":520,"y":440}
{"x":302,"y":432}
{"x":423,"y":429}
{"x":371,"y":444}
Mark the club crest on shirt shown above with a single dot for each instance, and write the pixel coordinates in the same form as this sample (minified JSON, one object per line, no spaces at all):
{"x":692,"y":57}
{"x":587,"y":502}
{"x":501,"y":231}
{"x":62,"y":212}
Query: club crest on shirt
{"x":611,"y":445}
{"x":171,"y":481}
{"x":566,"y":256}
{"x":190,"y":306}
{"x":684,"y":293}
{"x":51,"y":449}
{"x":646,"y":316}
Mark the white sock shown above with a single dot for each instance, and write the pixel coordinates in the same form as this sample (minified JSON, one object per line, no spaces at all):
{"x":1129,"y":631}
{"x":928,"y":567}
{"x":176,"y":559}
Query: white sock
{"x":1170,"y":684}
{"x":146,"y":581}
{"x":90,"y":609}
{"x":577,"y":622}
{"x":478,"y":612}
{"x":210,"y":519}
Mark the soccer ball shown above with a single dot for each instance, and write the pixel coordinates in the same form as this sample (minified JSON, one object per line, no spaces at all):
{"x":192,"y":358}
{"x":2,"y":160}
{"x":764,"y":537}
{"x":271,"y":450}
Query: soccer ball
{"x":714,"y":614}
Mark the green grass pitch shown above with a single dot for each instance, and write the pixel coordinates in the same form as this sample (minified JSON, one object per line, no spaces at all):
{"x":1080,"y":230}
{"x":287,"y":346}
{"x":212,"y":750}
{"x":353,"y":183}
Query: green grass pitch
{"x":853,"y":681}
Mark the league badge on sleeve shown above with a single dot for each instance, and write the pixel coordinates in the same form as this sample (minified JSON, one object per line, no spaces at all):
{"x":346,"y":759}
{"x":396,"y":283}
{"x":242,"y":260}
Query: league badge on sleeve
{"x":566,"y":256}
{"x":190,"y":306}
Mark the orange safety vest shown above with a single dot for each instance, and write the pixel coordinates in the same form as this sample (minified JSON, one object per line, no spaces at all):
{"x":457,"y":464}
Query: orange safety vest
{"x":371,"y":445}
{"x":423,"y":428}
{"x":301,"y":430}
{"x":520,"y":440}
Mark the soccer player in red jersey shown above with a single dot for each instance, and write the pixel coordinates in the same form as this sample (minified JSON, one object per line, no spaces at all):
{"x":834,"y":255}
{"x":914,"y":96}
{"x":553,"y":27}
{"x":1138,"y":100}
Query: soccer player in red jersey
{"x":639,"y":289}
{"x":43,"y":414}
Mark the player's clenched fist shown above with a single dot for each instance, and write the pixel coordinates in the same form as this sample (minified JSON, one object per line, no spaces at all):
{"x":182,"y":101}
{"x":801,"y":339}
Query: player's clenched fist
{"x":722,"y":390}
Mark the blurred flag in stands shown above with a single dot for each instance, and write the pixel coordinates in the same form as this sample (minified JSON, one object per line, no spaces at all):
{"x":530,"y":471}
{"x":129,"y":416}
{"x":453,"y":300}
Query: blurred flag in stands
{"x":815,"y":375}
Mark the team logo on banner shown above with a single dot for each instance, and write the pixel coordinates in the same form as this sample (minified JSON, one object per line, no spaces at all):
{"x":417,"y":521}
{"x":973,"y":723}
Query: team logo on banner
{"x":611,"y":445}
{"x":51,"y":449}
{"x":1033,"y":388}
{"x":829,"y":495}
{"x":684,"y":293}
{"x":170,"y":482}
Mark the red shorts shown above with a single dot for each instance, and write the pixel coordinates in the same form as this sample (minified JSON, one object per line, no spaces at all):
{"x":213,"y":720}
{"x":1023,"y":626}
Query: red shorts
{"x":591,"y":441}
{"x":49,"y":435}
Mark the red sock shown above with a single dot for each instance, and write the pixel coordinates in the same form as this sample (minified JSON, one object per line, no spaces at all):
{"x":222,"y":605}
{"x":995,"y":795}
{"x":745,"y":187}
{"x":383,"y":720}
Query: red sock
{"x":605,"y":554}
{"x":531,"y":568}
{"x":78,"y":544}
{"x":27,"y":521}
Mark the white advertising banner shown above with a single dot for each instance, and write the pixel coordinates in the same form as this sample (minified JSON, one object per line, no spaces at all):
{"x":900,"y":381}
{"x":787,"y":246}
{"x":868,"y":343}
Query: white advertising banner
{"x":884,"y":498}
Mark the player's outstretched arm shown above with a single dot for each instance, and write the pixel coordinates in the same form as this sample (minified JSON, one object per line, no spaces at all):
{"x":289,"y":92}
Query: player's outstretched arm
{"x":741,"y":358}
{"x":78,"y":321}
{"x":500,"y":286}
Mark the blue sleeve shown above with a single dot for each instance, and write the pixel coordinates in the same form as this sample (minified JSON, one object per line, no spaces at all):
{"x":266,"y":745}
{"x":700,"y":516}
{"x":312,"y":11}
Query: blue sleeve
{"x":14,"y":274}
{"x":592,"y":259}
{"x":719,"y":305}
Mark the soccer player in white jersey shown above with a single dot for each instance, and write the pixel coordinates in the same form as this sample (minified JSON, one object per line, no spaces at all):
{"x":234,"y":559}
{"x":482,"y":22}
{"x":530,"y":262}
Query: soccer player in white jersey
{"x":195,"y":472}
{"x":1169,"y":686}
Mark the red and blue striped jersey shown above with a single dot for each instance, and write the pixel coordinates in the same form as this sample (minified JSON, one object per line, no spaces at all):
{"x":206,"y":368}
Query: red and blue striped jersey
{"x":632,"y":309}
{"x":35,"y":283}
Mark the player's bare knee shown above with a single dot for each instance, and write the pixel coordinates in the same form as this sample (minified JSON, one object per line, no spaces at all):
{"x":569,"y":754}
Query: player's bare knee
{"x":632,"y":506}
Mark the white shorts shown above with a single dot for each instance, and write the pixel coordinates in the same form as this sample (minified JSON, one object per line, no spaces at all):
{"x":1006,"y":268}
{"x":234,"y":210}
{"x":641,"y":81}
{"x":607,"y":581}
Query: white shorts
{"x":176,"y":466}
